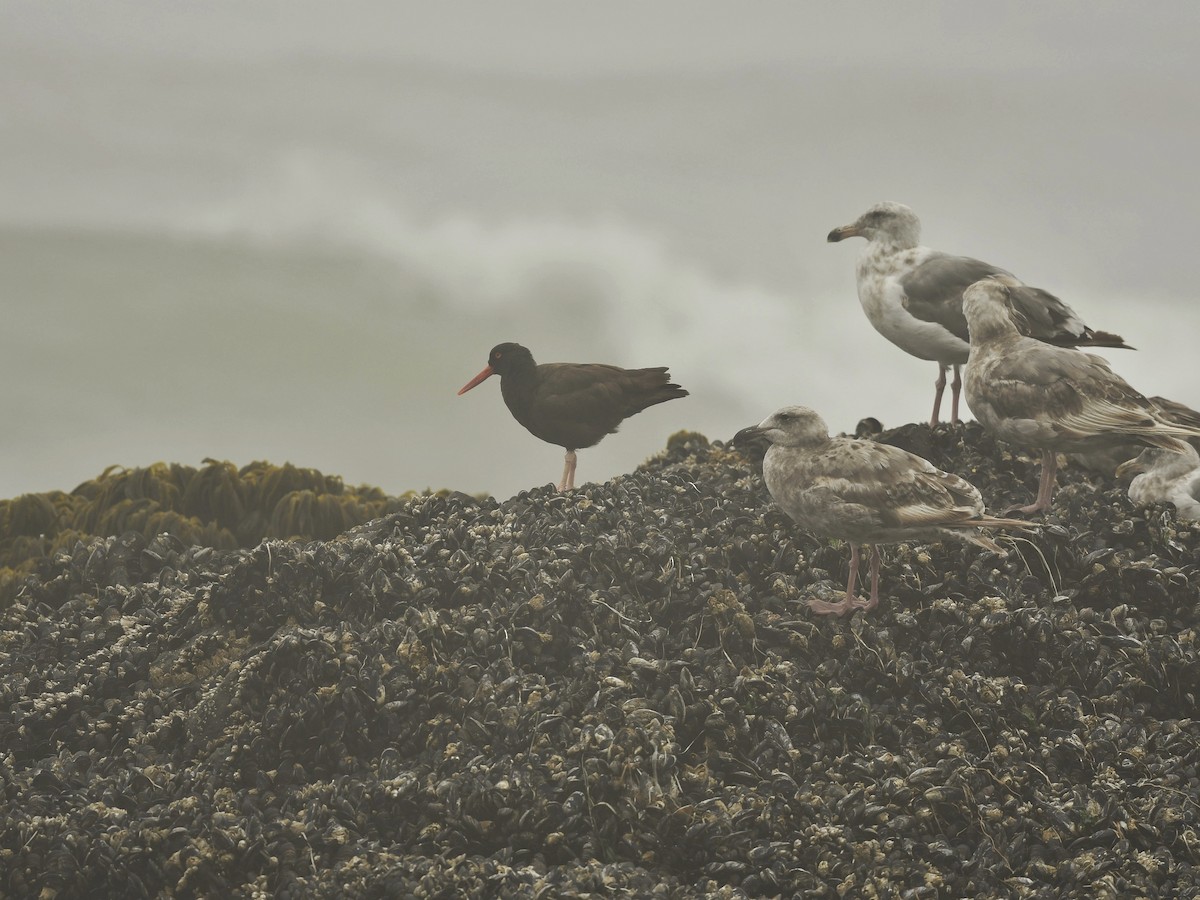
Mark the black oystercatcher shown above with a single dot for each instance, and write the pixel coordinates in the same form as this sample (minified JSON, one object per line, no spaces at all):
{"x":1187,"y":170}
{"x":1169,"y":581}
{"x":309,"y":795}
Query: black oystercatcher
{"x":913,"y":296}
{"x":573,"y":405}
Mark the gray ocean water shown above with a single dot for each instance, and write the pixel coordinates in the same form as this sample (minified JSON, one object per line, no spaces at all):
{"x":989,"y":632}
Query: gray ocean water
{"x":251,"y":231}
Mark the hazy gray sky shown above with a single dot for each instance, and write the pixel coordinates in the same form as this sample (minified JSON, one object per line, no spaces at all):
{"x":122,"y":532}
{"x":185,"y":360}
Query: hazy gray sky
{"x":293,"y":230}
{"x":626,"y":37}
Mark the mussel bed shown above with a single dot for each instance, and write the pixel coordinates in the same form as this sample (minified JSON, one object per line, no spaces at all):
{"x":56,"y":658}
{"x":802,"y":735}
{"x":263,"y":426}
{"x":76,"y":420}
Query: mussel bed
{"x":615,"y":691}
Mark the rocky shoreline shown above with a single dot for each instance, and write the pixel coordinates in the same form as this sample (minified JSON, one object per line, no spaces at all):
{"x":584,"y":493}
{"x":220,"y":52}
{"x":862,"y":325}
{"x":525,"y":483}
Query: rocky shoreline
{"x":616,"y":691}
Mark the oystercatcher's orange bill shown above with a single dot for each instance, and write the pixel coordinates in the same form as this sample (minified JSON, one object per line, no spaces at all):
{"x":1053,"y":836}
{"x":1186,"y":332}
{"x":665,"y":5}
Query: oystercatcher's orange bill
{"x":487,"y":373}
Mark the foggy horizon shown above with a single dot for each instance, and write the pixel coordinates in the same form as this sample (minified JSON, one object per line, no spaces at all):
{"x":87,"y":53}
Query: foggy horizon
{"x":235,"y":232}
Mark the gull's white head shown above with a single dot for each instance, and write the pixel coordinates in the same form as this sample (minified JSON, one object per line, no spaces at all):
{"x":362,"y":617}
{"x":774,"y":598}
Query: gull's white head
{"x":886,"y":223}
{"x":1163,"y":464}
{"x":986,"y":306}
{"x":793,"y":426}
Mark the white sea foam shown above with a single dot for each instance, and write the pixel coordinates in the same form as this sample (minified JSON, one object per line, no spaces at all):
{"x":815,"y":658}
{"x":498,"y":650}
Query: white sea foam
{"x":606,"y":289}
{"x":600,"y":286}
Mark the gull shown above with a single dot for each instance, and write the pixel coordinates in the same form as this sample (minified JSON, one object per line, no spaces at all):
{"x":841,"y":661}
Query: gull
{"x":913,"y":296}
{"x":1107,"y":461}
{"x":864,"y":492}
{"x":1050,"y":398}
{"x":1166,"y":477}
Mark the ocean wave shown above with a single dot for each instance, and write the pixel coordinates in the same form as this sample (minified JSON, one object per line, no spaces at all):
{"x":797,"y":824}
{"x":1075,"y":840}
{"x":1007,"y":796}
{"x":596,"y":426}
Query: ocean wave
{"x":599,"y":282}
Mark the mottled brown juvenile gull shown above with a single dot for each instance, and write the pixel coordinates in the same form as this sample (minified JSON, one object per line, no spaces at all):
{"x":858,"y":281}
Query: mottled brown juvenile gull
{"x":1049,"y":398}
{"x":864,"y":492}
{"x":913,"y":296}
{"x":1166,"y":477}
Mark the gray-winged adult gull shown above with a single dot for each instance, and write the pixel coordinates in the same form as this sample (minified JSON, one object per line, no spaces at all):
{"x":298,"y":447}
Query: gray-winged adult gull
{"x":864,"y":492}
{"x":913,"y":296}
{"x":1036,"y":395}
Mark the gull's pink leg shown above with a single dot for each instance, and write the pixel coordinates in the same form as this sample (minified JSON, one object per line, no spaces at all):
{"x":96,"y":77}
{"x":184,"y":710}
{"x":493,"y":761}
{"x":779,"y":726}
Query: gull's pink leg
{"x":875,"y":561}
{"x":1049,"y":476}
{"x":852,"y":577}
{"x":955,"y":392}
{"x":1045,"y":486}
{"x":939,"y":389}
{"x":568,"y":479}
{"x":847,"y":604}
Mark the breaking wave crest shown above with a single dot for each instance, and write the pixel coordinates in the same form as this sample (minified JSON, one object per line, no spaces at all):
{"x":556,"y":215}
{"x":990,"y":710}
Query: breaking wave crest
{"x":597,"y":285}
